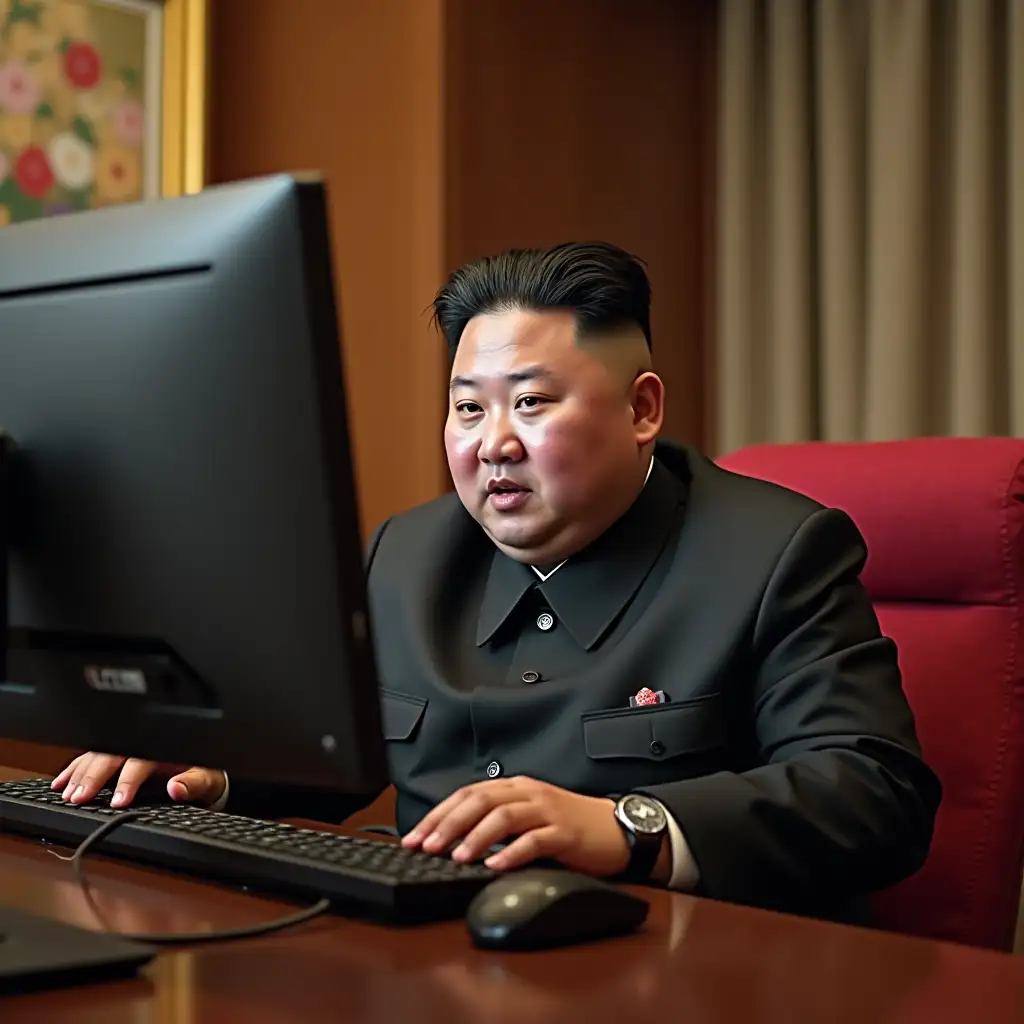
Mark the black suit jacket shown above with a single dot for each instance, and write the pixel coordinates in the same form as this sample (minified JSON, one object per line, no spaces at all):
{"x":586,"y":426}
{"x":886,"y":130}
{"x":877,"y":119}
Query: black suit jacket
{"x":786,"y":750}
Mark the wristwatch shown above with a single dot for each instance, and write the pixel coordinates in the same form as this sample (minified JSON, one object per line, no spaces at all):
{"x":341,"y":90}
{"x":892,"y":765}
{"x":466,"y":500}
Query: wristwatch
{"x":644,"y":822}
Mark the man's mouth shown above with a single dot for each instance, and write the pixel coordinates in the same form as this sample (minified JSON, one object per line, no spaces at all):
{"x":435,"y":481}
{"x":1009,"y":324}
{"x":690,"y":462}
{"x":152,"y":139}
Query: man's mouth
{"x":504,"y":486}
{"x":506,"y":496}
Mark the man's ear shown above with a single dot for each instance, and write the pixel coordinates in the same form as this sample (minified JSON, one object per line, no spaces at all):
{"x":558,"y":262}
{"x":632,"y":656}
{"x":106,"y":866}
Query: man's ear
{"x":647,"y":399}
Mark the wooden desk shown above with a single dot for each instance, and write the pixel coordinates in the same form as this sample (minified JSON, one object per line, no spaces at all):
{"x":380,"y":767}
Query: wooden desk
{"x":696,"y":961}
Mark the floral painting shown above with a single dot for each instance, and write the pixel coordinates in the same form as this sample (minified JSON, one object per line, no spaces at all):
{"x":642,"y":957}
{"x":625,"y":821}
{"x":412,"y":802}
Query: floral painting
{"x":73,"y":105}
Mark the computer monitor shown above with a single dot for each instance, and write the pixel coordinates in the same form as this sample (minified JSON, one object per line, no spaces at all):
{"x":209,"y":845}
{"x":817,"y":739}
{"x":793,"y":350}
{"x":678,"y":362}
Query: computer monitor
{"x":184,"y":567}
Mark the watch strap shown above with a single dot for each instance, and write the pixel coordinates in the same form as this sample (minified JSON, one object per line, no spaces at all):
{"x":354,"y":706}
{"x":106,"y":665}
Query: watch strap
{"x":644,"y":848}
{"x":643,"y":856}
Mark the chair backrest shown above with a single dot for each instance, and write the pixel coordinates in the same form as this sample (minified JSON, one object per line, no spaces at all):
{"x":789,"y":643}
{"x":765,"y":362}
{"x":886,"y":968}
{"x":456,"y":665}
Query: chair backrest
{"x":944,"y":524}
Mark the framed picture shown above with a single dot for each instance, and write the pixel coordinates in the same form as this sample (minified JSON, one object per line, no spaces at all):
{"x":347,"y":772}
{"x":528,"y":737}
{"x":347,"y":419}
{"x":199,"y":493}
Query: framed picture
{"x":101,"y":102}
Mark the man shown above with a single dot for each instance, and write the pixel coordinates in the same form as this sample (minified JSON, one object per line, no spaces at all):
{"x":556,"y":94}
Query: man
{"x":605,"y":650}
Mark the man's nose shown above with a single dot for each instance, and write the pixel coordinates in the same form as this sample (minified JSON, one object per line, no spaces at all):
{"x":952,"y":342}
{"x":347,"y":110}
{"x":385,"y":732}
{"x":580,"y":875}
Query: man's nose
{"x":500,"y":444}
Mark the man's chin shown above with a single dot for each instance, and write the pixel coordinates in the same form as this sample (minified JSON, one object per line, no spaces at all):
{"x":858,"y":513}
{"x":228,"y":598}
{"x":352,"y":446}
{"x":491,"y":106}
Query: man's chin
{"x":531,"y":546}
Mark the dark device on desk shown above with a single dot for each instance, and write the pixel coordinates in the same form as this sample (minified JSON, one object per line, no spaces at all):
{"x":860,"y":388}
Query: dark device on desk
{"x":542,"y":909}
{"x":184,"y":573}
{"x":185,"y":568}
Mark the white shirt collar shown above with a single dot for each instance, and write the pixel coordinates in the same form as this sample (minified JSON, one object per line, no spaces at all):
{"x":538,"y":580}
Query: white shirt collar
{"x":547,"y":575}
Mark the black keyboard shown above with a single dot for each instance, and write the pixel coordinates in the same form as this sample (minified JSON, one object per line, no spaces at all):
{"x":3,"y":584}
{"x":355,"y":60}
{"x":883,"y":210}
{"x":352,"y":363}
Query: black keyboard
{"x":371,"y":877}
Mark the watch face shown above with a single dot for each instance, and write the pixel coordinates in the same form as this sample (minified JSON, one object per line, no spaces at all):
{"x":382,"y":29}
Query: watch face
{"x":643,"y":814}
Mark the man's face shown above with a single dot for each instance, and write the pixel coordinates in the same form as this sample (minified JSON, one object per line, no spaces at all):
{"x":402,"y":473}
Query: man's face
{"x":545,"y":434}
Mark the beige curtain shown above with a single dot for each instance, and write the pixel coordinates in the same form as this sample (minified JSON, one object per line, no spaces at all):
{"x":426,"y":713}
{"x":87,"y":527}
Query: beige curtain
{"x":870,"y":229}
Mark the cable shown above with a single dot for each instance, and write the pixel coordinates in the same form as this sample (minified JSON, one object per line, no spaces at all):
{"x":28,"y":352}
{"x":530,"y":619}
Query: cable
{"x":180,"y":939}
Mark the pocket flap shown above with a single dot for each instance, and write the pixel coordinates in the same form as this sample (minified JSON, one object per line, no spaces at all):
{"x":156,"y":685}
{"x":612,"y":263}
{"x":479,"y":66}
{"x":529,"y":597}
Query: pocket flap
{"x":400,"y":714}
{"x":654,"y":733}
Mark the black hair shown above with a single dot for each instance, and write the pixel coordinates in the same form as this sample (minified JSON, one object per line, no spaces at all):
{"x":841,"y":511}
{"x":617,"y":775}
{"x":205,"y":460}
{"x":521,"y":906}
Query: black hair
{"x":603,"y":285}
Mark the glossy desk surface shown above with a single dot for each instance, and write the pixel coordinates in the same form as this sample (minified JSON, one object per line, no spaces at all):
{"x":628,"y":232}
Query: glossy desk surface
{"x":695,"y":961}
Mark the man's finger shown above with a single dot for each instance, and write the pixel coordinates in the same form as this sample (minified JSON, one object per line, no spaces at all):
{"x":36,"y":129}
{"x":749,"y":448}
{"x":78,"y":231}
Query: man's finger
{"x":466,"y":816}
{"x":197,"y":785}
{"x":61,"y":780}
{"x":548,"y":841}
{"x":78,"y":769}
{"x":429,"y":822}
{"x":513,"y":819}
{"x":133,"y":775}
{"x":90,"y":776}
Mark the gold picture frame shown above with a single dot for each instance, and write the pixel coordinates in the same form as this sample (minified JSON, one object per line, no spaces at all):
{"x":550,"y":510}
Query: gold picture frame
{"x":185,"y":91}
{"x":101,"y":102}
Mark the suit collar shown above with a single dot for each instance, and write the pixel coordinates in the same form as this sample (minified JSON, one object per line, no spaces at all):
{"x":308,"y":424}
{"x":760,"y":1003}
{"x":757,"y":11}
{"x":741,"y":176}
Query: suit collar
{"x":507,"y":582}
{"x":588,"y":592}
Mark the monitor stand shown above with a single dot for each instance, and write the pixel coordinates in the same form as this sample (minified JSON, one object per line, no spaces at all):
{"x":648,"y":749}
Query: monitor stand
{"x":37,"y":952}
{"x":40,"y":953}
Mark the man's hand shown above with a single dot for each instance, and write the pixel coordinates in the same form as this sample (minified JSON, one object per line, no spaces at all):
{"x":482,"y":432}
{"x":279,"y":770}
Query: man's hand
{"x":550,"y":823}
{"x":88,"y":773}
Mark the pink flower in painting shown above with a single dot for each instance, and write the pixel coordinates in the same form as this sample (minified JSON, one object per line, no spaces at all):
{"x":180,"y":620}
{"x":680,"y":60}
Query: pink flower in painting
{"x":20,"y":90}
{"x":127,"y":121}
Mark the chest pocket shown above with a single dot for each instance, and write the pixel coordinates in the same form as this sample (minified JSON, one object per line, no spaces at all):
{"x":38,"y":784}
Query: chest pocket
{"x":401,"y":714}
{"x":654,"y":733}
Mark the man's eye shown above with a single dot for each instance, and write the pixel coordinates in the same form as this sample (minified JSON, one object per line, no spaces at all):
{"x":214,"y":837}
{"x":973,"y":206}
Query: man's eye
{"x":529,"y":402}
{"x":468,"y":408}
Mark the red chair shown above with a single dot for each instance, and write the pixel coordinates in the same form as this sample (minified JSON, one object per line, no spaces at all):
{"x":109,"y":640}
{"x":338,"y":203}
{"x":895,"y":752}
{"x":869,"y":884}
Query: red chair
{"x":944,"y":523}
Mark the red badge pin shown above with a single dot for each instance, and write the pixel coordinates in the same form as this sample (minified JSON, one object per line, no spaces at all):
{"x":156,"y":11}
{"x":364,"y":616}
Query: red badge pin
{"x":647,"y":696}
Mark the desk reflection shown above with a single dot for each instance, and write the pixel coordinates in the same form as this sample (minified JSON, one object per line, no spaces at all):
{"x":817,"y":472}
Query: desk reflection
{"x":694,"y":960}
{"x":527,"y":987}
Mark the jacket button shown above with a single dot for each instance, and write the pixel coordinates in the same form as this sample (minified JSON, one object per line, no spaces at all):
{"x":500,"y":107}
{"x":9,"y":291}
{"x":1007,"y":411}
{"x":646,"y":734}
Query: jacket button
{"x":493,"y":770}
{"x":545,"y":621}
{"x":657,"y":748}
{"x":531,"y":677}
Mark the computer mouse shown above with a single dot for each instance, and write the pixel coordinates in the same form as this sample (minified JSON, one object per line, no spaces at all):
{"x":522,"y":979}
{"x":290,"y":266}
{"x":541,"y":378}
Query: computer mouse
{"x":540,"y":908}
